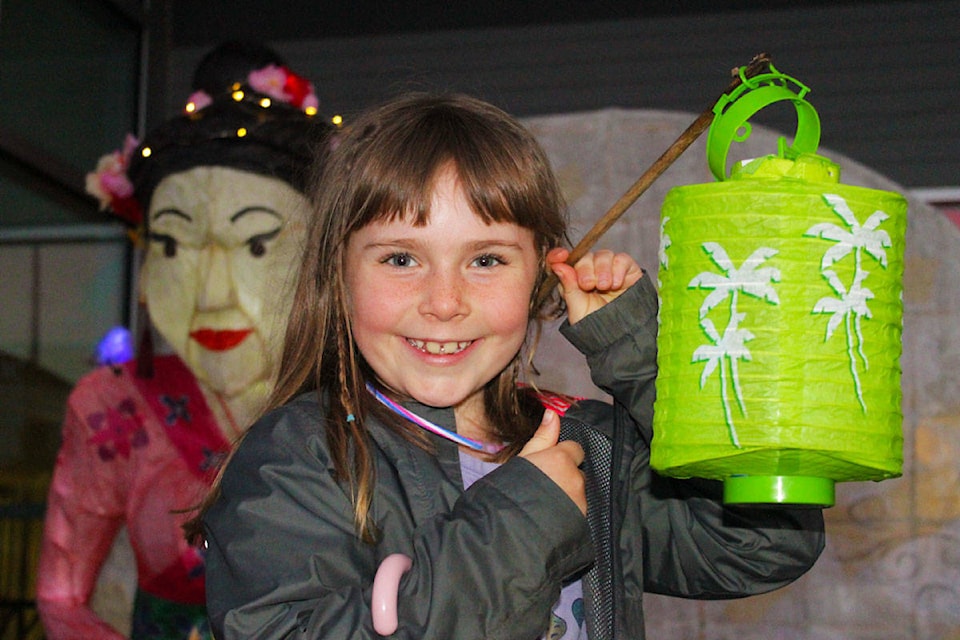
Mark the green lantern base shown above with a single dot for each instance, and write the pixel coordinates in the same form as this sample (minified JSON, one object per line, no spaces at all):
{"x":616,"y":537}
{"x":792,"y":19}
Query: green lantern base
{"x":792,"y":491}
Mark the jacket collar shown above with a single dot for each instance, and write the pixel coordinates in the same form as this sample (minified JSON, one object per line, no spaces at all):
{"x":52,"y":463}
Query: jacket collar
{"x":430,"y":476}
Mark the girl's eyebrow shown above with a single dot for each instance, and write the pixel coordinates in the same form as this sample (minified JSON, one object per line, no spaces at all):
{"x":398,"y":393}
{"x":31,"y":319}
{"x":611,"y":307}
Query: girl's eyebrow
{"x":254,"y":209}
{"x":172,"y":212}
{"x":486,"y":244}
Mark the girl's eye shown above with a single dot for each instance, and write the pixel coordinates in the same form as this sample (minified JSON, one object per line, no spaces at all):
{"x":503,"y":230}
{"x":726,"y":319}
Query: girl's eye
{"x":399,"y":260}
{"x":488,"y":260}
{"x":258,"y":243}
{"x":169,"y":243}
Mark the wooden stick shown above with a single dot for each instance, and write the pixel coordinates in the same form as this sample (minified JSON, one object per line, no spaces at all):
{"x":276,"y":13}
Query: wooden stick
{"x":759,"y":64}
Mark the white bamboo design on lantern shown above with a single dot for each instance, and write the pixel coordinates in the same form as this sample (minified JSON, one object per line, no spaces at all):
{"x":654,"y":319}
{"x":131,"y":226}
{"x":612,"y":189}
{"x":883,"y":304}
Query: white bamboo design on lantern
{"x":850,"y":307}
{"x":730,"y":347}
{"x":665,"y":243}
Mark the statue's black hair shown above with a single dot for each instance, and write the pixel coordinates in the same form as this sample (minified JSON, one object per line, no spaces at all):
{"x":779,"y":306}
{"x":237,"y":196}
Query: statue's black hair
{"x":279,"y":141}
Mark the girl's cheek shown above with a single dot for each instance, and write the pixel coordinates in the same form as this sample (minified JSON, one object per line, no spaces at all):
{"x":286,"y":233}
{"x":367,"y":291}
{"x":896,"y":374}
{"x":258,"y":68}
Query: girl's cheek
{"x":370,"y":298}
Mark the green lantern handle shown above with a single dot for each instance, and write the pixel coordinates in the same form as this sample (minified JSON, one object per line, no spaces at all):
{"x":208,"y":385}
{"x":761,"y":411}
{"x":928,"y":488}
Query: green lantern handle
{"x":733,"y":110}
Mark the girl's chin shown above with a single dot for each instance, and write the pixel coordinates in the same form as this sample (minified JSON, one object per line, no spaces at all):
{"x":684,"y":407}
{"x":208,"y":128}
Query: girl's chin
{"x":438,"y":397}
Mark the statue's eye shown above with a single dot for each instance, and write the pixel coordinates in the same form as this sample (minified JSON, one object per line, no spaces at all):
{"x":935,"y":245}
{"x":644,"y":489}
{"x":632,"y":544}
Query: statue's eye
{"x":169,"y":243}
{"x":258,"y":243}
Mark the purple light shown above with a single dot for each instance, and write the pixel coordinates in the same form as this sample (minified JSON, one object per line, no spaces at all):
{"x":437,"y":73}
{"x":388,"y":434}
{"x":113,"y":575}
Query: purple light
{"x":115,"y":348}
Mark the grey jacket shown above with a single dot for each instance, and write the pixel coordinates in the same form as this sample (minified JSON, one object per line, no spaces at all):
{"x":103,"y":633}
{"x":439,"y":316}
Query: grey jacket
{"x":284,"y":561}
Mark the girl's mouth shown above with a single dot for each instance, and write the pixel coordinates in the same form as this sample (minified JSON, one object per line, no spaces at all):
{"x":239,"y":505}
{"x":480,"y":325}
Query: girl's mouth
{"x":220,"y":339}
{"x":439,"y":348}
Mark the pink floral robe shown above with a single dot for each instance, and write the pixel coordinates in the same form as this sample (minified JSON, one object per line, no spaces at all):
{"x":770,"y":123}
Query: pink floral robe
{"x":136,"y":452}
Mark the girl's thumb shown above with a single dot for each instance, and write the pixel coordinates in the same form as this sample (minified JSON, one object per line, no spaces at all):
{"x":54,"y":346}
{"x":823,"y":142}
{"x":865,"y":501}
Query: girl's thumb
{"x":546,"y":435}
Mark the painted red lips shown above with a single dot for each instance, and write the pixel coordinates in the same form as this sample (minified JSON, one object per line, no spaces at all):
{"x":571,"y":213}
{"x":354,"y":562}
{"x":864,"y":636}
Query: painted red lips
{"x":220,"y":340}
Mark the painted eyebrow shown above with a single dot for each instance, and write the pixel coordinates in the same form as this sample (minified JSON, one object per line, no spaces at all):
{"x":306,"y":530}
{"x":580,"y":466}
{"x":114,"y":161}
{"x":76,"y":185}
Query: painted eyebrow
{"x":256,"y":209}
{"x":172,"y":212}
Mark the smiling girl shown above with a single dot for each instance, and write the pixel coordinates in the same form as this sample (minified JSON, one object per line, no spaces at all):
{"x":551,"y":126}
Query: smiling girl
{"x":405,"y":420}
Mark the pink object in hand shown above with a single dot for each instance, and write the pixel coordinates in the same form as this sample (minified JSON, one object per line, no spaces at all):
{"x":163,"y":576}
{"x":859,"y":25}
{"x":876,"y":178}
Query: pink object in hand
{"x":386,"y":585}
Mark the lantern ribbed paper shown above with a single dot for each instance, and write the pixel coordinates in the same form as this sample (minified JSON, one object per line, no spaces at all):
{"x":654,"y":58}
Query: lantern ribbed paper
{"x":780,"y":331}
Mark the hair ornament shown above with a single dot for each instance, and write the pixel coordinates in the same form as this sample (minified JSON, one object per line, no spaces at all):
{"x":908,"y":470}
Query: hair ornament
{"x":272,"y":82}
{"x":111,"y":186}
{"x":121,"y":182}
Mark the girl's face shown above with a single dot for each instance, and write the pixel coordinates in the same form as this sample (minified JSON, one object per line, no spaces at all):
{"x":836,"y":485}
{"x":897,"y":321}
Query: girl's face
{"x":439,"y":310}
{"x":218,"y":274}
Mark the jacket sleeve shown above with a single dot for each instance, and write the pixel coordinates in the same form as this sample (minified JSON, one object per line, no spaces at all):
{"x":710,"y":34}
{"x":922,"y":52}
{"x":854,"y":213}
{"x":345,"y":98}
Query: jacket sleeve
{"x":677,"y":536}
{"x":284,"y":558}
{"x":84,"y":513}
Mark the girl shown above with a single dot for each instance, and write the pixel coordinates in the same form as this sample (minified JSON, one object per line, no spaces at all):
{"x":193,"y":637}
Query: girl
{"x":437,"y":219}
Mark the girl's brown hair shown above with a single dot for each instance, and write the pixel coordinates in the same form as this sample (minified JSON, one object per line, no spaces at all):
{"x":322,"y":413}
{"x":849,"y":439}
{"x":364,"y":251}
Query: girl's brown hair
{"x":384,"y":166}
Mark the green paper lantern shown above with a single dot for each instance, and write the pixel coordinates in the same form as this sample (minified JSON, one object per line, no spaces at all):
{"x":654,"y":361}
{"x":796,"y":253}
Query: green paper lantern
{"x":780,"y":327}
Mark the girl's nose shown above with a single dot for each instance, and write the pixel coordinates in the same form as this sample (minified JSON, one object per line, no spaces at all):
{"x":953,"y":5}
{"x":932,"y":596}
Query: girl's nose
{"x":216,"y":280}
{"x":444,"y":296}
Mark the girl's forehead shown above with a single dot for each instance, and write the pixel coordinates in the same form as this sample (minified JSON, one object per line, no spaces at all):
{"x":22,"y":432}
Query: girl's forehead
{"x":446,"y":228}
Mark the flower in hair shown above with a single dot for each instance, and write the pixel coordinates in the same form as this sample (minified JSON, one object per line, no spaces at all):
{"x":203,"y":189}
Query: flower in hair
{"x":280,"y":83}
{"x":109,"y":183}
{"x":198,"y":100}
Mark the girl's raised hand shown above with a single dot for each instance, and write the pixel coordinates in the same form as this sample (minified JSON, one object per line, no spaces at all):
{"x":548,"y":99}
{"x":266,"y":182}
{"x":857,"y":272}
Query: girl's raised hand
{"x":559,"y":461}
{"x":595,"y":280}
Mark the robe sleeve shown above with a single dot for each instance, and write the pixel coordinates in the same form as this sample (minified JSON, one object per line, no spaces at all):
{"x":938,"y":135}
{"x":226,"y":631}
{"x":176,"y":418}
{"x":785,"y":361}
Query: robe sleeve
{"x":84,"y":513}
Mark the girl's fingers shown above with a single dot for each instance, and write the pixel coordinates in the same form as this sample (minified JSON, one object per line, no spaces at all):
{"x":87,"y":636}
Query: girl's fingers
{"x":546,"y":435}
{"x":559,"y":461}
{"x":595,"y":271}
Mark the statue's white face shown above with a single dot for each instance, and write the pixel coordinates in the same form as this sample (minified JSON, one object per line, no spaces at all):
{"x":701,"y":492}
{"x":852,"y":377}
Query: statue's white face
{"x":224,"y":247}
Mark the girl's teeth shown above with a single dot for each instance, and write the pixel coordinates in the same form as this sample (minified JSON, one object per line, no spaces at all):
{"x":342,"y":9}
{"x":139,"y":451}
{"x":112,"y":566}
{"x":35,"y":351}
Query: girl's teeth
{"x":440,"y":347}
{"x":446,"y":347}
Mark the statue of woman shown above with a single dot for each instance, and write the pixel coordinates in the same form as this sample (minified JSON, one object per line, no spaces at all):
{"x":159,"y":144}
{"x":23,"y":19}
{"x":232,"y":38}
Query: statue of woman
{"x":217,"y":195}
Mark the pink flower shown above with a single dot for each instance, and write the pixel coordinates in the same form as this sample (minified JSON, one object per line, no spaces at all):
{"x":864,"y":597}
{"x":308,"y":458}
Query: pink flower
{"x":130,"y":144}
{"x":284,"y":85}
{"x":310,"y":100}
{"x":109,"y":183}
{"x":199,"y":99}
{"x":271,"y":81}
{"x":109,"y":180}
